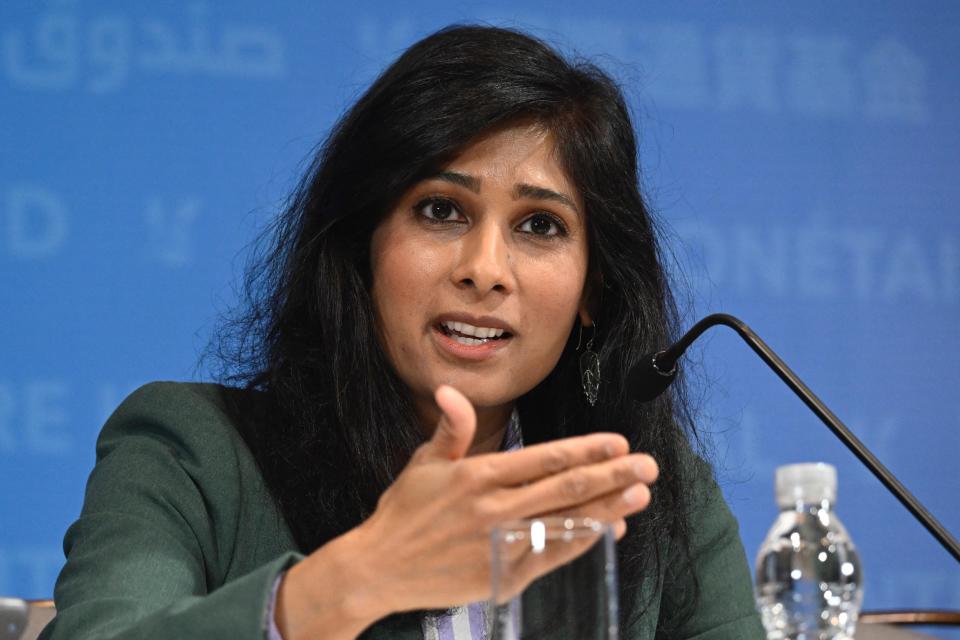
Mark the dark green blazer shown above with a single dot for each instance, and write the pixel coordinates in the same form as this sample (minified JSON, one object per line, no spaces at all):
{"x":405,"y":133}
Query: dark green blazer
{"x":180,"y":538}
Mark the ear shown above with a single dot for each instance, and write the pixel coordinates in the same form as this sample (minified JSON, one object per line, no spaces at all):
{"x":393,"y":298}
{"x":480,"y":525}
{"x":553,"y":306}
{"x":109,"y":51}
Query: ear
{"x":583,"y":313}
{"x":590,"y":299}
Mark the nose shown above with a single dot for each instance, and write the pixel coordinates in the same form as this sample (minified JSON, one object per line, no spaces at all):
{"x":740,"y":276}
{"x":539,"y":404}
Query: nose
{"x":484,"y":262}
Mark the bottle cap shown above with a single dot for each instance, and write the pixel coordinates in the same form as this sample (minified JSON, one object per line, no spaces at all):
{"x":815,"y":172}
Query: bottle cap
{"x":808,"y":483}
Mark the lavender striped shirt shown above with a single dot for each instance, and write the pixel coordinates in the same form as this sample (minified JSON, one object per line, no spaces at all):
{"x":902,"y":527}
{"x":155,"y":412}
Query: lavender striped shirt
{"x":464,"y":623}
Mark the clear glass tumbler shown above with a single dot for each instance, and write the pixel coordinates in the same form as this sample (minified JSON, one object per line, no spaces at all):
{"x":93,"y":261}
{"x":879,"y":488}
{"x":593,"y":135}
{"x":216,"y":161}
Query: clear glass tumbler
{"x":554,"y":578}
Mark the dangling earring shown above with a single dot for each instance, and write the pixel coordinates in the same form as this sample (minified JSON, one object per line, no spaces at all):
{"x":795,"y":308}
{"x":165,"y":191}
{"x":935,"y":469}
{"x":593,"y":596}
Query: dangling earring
{"x":589,"y":367}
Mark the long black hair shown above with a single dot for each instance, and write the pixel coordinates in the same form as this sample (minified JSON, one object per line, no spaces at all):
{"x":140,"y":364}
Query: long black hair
{"x":341,"y":424}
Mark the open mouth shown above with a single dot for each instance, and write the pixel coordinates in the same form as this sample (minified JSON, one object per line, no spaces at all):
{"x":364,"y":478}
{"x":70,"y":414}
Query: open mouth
{"x":469,"y":335}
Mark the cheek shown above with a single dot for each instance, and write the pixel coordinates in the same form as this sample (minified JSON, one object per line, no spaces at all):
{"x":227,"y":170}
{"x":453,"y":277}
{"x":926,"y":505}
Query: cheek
{"x":403,"y":281}
{"x":554,"y":297}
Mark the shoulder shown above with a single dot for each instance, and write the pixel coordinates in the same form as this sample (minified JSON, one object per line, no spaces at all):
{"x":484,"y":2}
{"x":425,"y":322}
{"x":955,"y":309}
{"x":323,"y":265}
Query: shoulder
{"x":719,"y":572}
{"x":173,"y":425}
{"x":174,"y":404}
{"x":172,"y":455}
{"x":711,"y":525}
{"x":182,"y":418}
{"x":175,"y":508}
{"x":166,"y":432}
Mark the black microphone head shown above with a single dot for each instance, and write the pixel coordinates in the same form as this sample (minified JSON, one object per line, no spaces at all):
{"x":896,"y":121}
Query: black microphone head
{"x":648,"y":381}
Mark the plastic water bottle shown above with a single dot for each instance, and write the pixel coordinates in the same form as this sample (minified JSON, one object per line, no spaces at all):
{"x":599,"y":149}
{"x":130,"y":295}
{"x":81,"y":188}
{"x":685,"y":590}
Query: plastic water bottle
{"x":809,"y":584}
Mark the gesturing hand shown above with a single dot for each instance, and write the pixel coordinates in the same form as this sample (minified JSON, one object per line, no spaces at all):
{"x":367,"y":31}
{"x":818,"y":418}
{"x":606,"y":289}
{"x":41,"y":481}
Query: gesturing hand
{"x":428,"y":542}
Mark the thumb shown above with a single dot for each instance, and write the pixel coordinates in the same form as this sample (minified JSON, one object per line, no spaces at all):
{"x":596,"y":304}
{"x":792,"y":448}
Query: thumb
{"x":457,"y":424}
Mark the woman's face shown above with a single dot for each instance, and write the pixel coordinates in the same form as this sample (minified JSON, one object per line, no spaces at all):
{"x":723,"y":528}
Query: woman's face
{"x":479,"y":272}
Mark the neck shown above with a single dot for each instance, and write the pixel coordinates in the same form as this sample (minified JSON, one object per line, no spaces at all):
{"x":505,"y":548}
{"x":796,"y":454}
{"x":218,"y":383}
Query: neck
{"x":491,"y":429}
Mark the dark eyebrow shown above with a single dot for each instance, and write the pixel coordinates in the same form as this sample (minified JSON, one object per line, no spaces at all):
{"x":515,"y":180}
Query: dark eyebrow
{"x":541,"y":193}
{"x":521,"y":191}
{"x":460,"y":179}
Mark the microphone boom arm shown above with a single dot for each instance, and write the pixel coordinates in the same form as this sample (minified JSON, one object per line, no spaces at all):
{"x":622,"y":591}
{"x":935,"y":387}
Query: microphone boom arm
{"x":666,"y":360}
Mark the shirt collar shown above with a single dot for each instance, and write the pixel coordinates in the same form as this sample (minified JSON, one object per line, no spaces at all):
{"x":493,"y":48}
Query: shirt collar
{"x":513,"y":437}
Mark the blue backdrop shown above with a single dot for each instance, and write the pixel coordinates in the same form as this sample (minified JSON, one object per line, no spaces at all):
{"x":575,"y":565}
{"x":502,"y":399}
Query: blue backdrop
{"x":805,"y":160}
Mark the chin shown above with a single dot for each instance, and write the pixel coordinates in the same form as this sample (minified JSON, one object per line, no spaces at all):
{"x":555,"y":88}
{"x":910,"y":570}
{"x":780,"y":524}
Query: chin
{"x":485,"y":396}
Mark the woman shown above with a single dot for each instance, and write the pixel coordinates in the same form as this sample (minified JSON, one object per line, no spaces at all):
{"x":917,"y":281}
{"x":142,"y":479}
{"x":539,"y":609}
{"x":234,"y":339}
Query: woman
{"x":470,"y":229}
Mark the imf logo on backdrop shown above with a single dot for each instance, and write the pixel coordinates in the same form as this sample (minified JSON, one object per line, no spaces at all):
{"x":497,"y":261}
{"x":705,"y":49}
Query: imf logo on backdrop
{"x":747,"y":439}
{"x":827,"y":261}
{"x":52,"y":417}
{"x":170,"y":230}
{"x":100,"y":54}
{"x":35,"y":225}
{"x":34,"y":418}
{"x":689,"y":65}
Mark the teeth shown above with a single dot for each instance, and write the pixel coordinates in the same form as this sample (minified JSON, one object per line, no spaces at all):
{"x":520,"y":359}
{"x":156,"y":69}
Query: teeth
{"x":482,"y":333}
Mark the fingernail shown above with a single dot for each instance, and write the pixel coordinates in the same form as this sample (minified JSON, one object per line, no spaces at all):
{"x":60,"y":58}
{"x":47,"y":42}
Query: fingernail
{"x":639,"y":470}
{"x":609,"y":450}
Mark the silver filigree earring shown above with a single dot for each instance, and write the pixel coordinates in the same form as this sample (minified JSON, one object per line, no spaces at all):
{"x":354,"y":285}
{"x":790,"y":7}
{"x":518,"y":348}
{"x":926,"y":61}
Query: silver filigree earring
{"x":589,"y":367}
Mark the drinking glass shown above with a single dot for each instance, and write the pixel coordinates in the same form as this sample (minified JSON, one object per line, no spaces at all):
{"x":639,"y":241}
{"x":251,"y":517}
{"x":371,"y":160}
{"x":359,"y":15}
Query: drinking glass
{"x":554,"y":578}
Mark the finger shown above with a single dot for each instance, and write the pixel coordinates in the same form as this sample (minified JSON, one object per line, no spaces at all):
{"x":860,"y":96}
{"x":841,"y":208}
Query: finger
{"x":619,"y":529}
{"x":612,"y":507}
{"x":518,"y":570}
{"x":456,"y":427}
{"x":580,"y":486}
{"x":542,"y":460}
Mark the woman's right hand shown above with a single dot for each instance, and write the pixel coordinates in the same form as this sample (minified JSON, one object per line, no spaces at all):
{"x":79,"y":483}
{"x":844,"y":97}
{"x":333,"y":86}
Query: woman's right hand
{"x":427,"y":544}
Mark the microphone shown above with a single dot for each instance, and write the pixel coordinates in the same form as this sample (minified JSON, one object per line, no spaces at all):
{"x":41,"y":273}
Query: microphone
{"x":653,"y":375}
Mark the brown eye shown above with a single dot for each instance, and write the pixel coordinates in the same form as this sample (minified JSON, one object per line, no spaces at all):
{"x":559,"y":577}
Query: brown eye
{"x":542,"y":224}
{"x":438,"y":210}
